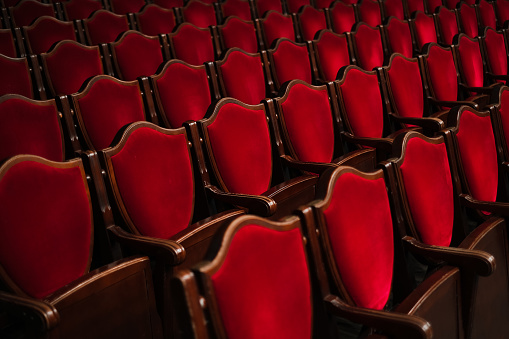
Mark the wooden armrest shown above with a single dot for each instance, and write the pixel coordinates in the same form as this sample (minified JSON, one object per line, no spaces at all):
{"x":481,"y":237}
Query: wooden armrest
{"x":256,"y":204}
{"x":498,"y":76}
{"x":398,"y":325}
{"x":311,"y":167}
{"x":479,"y":262}
{"x":429,"y":123}
{"x":499,"y":208}
{"x":451,"y":104}
{"x":379,"y":143}
{"x":483,"y":90}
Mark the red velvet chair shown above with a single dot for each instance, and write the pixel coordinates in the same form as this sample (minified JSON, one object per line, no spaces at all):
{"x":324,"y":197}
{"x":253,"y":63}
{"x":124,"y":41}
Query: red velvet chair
{"x":343,"y":16}
{"x":469,"y":23}
{"x":427,"y":187}
{"x":293,"y":6}
{"x":452,"y":4}
{"x":192,"y":44}
{"x":155,"y":20}
{"x":416,"y":6}
{"x":274,"y":26}
{"x":123,"y":7}
{"x":432,"y":5}
{"x":169,"y":4}
{"x":80,"y":9}
{"x":399,"y":37}
{"x":487,"y":15}
{"x":104,"y":26}
{"x":261,"y":7}
{"x":499,"y":113}
{"x":424,"y":28}
{"x":21,"y":76}
{"x":26,"y":11}
{"x":135,"y":54}
{"x":104,"y":106}
{"x":331,"y":53}
{"x":68,"y":65}
{"x":289,"y":60}
{"x":200,"y":14}
{"x":238,"y":8}
{"x":236,"y":32}
{"x":495,"y":55}
{"x":447,"y":23}
{"x":322,"y":4}
{"x":244,"y":169}
{"x":182,"y":92}
{"x":368,"y":46}
{"x":502,"y":12}
{"x":47,"y":245}
{"x":311,"y":21}
{"x":11,"y":43}
{"x":241,"y":76}
{"x":370,"y":12}
{"x":394,"y":8}
{"x":46,"y":31}
{"x":30,"y":127}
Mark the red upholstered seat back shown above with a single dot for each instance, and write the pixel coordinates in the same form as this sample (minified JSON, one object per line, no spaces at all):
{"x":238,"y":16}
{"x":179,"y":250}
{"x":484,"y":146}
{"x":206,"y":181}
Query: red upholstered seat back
{"x":105,"y":106}
{"x":242,"y":76}
{"x":496,"y":52}
{"x":30,"y":127}
{"x":451,"y":4}
{"x":359,"y":226}
{"x":294,"y":6}
{"x":369,"y":47}
{"x":442,"y":72}
{"x":332,"y":50}
{"x":415,"y":5}
{"x":342,"y":17}
{"x":399,"y":37}
{"x":46,"y":31}
{"x":502,"y":7}
{"x":154,"y":178}
{"x":183,"y":92}
{"x":199,"y":14}
{"x":406,"y":86}
{"x":276,"y":25}
{"x":154,"y":20}
{"x":7,"y":47}
{"x":364,"y":116}
{"x":291,"y":61}
{"x":80,"y":9}
{"x":69,"y":64}
{"x":321,"y":4}
{"x":124,"y":7}
{"x":239,"y":141}
{"x":238,"y":8}
{"x":448,"y":24}
{"x":471,"y":61}
{"x":238,"y":33}
{"x":311,"y":21}
{"x":267,"y":270}
{"x":427,"y":181}
{"x":468,"y":19}
{"x":476,"y":143}
{"x":504,"y":115}
{"x":137,"y":55}
{"x":15,"y":77}
{"x":487,"y":14}
{"x":394,"y":8}
{"x":369,"y":12}
{"x":46,"y":224}
{"x":25,"y":12}
{"x":263,"y":6}
{"x":192,"y":44}
{"x":104,"y":26}
{"x":425,"y":29}
{"x":169,"y":3}
{"x":433,"y":5}
{"x":307,"y":117}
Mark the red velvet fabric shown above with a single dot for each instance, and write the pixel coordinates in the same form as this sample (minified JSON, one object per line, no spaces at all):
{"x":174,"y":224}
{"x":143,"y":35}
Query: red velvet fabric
{"x":406,"y":85}
{"x":199,"y":14}
{"x":137,"y":55}
{"x":240,"y":141}
{"x":451,"y":4}
{"x":433,"y":5}
{"x":504,"y":114}
{"x":311,"y":21}
{"x":27,"y":127}
{"x":45,"y":229}
{"x":365,"y":116}
{"x":26,"y":12}
{"x":105,"y":26}
{"x":293,"y":6}
{"x":400,"y":38}
{"x":332,"y":53}
{"x":425,"y":29}
{"x":154,"y":20}
{"x":108,"y":106}
{"x":321,"y":4}
{"x":80,"y":9}
{"x":487,"y":14}
{"x":359,"y":224}
{"x":428,"y":185}
{"x":478,"y":152}
{"x":47,"y":31}
{"x":263,"y":6}
{"x":15,"y":77}
{"x":239,"y":8}
{"x":448,"y":24}
{"x":169,"y":3}
{"x":415,"y":5}
{"x":369,"y":47}
{"x":496,"y":52}
{"x":292,"y":62}
{"x":502,"y":10}
{"x":471,"y":61}
{"x":308,"y":120}
{"x":7,"y":47}
{"x":394,"y":8}
{"x":243,"y":77}
{"x":468,"y":19}
{"x":184,"y":93}
{"x":238,"y":33}
{"x":342,"y":17}
{"x":154,"y":176}
{"x":124,"y":7}
{"x":70,"y":65}
{"x":369,"y":12}
{"x":276,"y":25}
{"x":193,"y":45}
{"x":442,"y":72}
{"x":267,"y":272}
